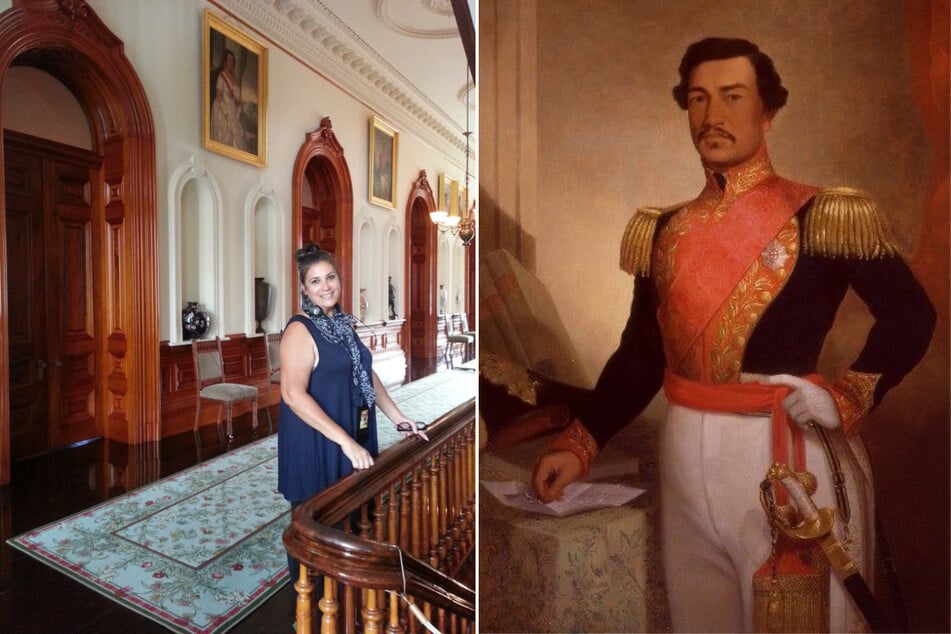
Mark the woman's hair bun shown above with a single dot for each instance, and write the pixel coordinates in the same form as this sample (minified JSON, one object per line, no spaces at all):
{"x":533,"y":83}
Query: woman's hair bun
{"x":307,"y":252}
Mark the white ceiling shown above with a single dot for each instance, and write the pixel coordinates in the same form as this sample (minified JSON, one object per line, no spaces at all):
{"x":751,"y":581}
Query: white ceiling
{"x":402,"y":57}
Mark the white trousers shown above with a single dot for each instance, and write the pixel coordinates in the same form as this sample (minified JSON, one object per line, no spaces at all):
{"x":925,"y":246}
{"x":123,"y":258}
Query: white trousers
{"x":715,"y":533}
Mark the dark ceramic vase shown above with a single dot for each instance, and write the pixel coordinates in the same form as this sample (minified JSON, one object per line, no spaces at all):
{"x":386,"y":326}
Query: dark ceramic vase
{"x":262,"y":301}
{"x":195,"y":321}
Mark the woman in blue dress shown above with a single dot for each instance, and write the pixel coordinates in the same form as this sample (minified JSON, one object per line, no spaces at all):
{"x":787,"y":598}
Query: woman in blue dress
{"x":329,"y":391}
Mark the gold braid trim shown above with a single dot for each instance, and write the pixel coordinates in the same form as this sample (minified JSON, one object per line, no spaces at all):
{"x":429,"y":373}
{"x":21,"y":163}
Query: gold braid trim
{"x":514,"y":378}
{"x":576,"y":439}
{"x":845,"y":223}
{"x":854,"y":394}
{"x":637,"y":243}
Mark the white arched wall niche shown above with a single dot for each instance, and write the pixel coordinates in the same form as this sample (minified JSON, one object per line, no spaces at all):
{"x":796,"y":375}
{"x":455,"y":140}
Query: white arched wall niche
{"x":457,"y":291}
{"x":378,"y":245}
{"x":393,"y":256}
{"x":267,"y":241}
{"x":194,"y":258}
{"x":443,"y":273}
{"x":367,"y":271}
{"x":451,"y":272}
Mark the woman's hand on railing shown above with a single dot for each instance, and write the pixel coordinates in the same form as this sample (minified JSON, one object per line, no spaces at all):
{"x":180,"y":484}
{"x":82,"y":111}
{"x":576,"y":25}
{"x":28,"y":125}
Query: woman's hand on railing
{"x":408,"y":428}
{"x":359,"y":457}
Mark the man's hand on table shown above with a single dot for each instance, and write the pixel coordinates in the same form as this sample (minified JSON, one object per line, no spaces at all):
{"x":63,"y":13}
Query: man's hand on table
{"x":553,"y":472}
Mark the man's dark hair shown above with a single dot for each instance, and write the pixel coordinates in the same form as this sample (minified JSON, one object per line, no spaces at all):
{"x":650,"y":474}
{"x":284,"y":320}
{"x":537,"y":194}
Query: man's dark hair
{"x":768,"y":82}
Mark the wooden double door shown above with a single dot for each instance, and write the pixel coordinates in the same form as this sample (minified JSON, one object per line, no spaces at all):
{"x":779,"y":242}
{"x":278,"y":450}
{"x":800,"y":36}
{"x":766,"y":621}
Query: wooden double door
{"x":53,"y":321}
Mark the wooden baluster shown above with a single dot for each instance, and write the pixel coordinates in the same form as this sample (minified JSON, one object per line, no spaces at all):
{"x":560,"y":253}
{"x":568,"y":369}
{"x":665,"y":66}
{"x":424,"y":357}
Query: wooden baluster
{"x":470,"y":495}
{"x":405,"y":486}
{"x":393,"y":537}
{"x":365,"y":526}
{"x":304,"y":588}
{"x":328,"y":608}
{"x":393,"y":516}
{"x":349,"y":609}
{"x":379,"y":516}
{"x":364,"y":523}
{"x":395,"y":625}
{"x":444,"y":538}
{"x":428,"y":612}
{"x":425,"y":522}
{"x":418,"y":512}
{"x":441,"y":626}
{"x":434,"y":509}
{"x":443,"y":493}
{"x":379,"y":533}
{"x":456,"y":475}
{"x":459,"y":524}
{"x":372,"y":615}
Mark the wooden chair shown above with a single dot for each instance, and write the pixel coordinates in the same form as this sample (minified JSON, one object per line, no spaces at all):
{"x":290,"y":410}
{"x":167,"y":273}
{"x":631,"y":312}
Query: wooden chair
{"x":464,"y":329}
{"x":454,"y":335}
{"x":210,"y":384}
{"x":273,"y":346}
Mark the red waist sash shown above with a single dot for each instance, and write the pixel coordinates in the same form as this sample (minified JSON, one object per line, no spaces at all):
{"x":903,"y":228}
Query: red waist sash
{"x":746,"y":398}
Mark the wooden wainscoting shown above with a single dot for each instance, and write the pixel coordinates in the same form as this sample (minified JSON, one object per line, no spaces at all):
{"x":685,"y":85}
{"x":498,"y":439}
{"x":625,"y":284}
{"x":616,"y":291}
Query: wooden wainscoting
{"x":245,"y":361}
{"x":385,"y":341}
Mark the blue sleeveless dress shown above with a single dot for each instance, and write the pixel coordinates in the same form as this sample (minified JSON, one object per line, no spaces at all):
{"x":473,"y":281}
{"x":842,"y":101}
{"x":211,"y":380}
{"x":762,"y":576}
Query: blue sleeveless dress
{"x":307,"y":461}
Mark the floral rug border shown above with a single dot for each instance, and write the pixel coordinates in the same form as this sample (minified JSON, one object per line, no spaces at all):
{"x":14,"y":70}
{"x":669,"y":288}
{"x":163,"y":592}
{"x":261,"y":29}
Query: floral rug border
{"x":243,"y":565}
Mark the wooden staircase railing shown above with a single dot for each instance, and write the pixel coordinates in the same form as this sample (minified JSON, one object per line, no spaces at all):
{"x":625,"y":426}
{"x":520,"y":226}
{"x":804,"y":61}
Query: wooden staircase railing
{"x":404,"y":527}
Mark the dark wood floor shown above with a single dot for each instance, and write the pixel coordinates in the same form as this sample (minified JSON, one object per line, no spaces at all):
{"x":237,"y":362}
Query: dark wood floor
{"x":36,"y":598}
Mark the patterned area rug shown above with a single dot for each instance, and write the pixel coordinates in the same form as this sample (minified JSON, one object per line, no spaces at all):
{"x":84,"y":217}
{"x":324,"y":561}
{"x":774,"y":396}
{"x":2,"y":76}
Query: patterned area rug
{"x":200,"y":550}
{"x":195,"y":552}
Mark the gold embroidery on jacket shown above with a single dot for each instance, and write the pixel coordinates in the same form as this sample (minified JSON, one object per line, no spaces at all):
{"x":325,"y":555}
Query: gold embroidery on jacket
{"x":736,"y":320}
{"x":577,"y":439}
{"x":854,"y":394}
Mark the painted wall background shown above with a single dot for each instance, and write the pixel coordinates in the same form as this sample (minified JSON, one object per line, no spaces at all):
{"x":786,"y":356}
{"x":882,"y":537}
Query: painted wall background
{"x":581,"y":129}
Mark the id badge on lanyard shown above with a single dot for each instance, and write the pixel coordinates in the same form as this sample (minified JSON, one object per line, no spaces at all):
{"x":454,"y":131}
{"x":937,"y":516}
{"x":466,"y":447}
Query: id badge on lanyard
{"x":363,"y":428}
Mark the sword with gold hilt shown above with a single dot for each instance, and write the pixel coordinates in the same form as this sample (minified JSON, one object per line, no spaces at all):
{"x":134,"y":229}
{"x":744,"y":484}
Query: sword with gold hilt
{"x":817,"y":525}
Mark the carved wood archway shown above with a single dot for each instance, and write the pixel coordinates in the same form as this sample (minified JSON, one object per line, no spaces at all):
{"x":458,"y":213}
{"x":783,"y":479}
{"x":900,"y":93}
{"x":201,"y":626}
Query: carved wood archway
{"x":327,"y":217}
{"x":68,"y":41}
{"x":420,"y":296}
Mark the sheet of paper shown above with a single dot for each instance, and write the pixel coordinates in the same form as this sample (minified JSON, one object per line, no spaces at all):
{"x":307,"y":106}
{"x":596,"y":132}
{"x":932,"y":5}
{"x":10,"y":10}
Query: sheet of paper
{"x":577,"y":498}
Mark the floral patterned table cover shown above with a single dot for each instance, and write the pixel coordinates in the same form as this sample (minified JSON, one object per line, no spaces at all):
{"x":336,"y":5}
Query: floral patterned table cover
{"x":592,"y":572}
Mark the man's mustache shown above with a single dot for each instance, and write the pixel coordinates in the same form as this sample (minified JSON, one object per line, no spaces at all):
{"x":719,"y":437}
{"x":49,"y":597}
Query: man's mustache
{"x":715,"y":131}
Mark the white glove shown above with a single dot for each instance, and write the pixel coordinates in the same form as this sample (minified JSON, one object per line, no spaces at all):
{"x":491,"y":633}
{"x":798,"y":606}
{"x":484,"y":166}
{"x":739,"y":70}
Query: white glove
{"x":807,"y":403}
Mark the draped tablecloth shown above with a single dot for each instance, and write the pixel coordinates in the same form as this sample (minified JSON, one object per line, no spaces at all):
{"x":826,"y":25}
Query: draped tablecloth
{"x":592,"y":572}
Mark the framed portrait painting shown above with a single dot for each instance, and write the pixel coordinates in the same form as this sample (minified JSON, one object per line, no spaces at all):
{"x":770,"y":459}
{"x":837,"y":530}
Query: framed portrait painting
{"x":384,"y":149}
{"x":462,"y":196}
{"x":234,"y":92}
{"x":445,"y":194}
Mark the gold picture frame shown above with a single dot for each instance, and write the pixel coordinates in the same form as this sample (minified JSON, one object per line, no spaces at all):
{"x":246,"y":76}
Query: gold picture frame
{"x":461,"y":200}
{"x":445,"y":194}
{"x":234,"y":92}
{"x":384,"y":151}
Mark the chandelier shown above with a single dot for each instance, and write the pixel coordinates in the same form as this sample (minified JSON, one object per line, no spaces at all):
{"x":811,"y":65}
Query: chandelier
{"x":464,"y":224}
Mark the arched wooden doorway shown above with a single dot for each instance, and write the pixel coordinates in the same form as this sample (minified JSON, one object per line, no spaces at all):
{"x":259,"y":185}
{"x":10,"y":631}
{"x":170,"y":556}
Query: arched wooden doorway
{"x":323,"y":203}
{"x":118,"y":332}
{"x":421,"y":267}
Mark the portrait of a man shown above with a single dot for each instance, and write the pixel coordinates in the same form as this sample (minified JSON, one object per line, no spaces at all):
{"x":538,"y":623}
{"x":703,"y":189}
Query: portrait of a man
{"x":770,"y":297}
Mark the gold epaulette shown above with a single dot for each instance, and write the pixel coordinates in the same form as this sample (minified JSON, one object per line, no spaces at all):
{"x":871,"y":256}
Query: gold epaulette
{"x":638,"y":240}
{"x":513,"y":377}
{"x":845,"y":223}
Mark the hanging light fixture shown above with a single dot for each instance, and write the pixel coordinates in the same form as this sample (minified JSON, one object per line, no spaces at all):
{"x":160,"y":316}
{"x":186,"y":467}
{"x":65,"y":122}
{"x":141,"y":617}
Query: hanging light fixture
{"x":462,"y":224}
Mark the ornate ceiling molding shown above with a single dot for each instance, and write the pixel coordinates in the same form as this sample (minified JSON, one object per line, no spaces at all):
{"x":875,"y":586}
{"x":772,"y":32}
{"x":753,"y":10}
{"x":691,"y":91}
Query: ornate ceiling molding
{"x":385,"y":11}
{"x":311,"y":32}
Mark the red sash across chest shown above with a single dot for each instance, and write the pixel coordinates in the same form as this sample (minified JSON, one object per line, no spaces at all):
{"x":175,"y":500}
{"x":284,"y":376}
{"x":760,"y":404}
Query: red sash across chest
{"x":709,"y":259}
